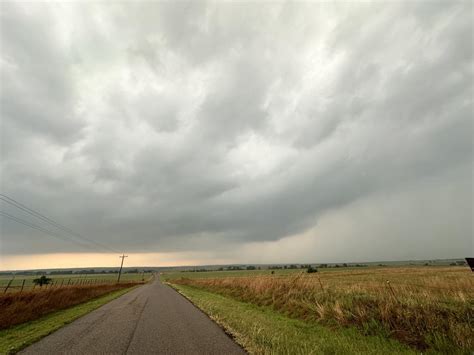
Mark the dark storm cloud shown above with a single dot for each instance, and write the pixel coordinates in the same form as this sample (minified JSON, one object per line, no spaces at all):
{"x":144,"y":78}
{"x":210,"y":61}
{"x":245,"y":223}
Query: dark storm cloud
{"x":177,"y":127}
{"x":37,"y":90}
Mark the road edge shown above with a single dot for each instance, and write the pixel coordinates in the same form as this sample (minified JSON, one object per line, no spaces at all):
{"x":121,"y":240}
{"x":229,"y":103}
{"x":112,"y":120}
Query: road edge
{"x":221,"y":326}
{"x":29,"y":327}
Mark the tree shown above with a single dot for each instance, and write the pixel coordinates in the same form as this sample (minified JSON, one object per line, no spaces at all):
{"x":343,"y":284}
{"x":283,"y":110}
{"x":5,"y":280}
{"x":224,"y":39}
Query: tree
{"x":43,"y":280}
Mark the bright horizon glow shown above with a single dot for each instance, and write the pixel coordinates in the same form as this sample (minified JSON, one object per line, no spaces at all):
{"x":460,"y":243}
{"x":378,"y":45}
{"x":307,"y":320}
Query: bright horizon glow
{"x":91,"y":260}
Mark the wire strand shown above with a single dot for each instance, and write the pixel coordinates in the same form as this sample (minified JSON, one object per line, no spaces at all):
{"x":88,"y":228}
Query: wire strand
{"x":52,"y":222}
{"x":46,"y":231}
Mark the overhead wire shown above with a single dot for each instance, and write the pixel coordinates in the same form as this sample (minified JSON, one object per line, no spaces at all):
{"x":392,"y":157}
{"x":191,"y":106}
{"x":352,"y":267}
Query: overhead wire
{"x":46,"y":231}
{"x":52,"y":222}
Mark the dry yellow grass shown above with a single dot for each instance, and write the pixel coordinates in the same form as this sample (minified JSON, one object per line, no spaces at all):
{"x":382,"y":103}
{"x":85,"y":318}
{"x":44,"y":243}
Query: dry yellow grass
{"x":17,"y":308}
{"x":425,"y":307}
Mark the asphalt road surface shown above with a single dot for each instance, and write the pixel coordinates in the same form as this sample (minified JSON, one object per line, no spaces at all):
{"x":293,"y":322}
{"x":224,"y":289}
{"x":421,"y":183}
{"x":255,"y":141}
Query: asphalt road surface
{"x":152,"y":319}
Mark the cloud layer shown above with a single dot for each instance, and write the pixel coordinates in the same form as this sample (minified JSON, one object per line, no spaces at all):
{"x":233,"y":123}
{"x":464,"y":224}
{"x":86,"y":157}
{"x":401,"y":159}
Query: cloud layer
{"x":229,"y":128}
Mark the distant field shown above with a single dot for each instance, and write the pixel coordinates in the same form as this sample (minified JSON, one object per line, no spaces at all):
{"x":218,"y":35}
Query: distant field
{"x":375,"y":272}
{"x":59,"y":280}
{"x":424,"y":307}
{"x":213,"y":274}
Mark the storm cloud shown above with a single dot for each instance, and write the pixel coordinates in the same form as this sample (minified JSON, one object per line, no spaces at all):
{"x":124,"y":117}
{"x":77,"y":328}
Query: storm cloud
{"x":237,"y":129}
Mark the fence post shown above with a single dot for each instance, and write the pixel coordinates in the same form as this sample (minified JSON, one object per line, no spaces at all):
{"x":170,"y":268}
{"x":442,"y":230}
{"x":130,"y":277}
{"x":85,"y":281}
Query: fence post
{"x":8,"y":285}
{"x":392,"y":291}
{"x":22,"y":285}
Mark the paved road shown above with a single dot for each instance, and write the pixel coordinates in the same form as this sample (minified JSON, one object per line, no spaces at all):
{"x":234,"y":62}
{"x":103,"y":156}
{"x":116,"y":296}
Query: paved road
{"x":153,"y":319}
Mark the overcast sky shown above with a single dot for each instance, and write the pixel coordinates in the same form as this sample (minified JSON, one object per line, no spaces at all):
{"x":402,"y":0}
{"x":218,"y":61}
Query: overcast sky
{"x":238,"y":132}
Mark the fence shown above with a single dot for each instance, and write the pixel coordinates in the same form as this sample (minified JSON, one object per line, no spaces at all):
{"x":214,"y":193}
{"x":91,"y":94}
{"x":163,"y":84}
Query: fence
{"x":23,"y":284}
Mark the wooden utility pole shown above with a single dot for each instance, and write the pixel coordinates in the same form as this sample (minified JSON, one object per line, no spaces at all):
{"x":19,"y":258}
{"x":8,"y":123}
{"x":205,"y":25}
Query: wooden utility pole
{"x":123,"y":256}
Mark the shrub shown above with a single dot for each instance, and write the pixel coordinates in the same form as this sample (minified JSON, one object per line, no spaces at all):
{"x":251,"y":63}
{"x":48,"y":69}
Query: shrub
{"x":43,"y":280}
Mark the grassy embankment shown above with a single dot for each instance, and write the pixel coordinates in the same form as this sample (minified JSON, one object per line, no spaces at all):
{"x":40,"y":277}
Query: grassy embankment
{"x":28,"y":316}
{"x":18,"y":337}
{"x":261,"y":330}
{"x":17,"y":308}
{"x":429,"y":309}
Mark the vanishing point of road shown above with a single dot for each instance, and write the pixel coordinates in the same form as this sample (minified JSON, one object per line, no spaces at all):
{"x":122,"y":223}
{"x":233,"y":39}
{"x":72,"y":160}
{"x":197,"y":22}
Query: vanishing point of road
{"x":152,"y":319}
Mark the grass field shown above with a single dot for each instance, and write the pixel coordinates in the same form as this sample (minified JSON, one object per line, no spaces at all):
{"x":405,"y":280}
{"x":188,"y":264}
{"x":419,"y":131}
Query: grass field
{"x":261,"y":330}
{"x":426,"y":308}
{"x":221,"y":274}
{"x":17,"y":281}
{"x":15,"y":338}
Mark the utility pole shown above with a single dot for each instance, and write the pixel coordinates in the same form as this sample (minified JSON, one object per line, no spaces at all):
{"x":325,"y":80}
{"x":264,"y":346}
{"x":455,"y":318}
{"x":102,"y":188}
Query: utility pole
{"x":123,"y":256}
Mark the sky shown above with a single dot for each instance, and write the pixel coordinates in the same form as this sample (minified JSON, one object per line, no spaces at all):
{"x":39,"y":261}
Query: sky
{"x":201,"y":132}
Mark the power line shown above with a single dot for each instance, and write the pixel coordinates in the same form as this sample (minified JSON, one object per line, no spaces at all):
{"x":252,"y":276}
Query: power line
{"x":52,"y":222}
{"x":37,"y":214}
{"x":46,"y":231}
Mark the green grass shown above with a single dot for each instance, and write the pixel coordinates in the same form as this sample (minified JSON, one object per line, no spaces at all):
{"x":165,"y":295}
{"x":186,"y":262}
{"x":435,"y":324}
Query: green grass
{"x":260,"y":330}
{"x":18,"y":337}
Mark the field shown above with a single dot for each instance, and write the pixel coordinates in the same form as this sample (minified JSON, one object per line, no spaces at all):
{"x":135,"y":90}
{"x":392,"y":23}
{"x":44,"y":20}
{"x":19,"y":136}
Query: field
{"x":429,"y":309}
{"x":15,"y":283}
{"x":224,"y":274}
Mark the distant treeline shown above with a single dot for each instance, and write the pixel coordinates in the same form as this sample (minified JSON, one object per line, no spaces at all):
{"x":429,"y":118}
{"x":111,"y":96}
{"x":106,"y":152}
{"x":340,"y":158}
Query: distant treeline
{"x":276,"y":267}
{"x":227,"y":268}
{"x":320,"y":266}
